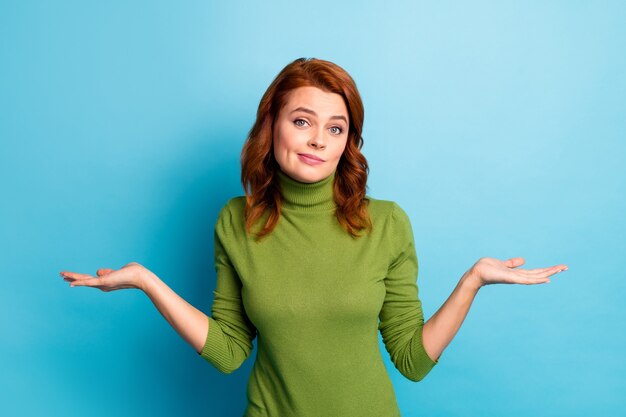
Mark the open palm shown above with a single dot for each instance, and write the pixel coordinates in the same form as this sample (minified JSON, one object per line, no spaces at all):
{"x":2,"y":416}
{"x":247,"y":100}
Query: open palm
{"x":494,"y":271}
{"x":128,"y":276}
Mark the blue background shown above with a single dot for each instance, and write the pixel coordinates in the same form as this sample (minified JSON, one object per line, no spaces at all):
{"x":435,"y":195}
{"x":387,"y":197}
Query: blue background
{"x":499,"y":127}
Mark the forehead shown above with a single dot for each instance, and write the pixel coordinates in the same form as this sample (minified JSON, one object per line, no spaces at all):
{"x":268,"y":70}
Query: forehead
{"x":322,"y":102}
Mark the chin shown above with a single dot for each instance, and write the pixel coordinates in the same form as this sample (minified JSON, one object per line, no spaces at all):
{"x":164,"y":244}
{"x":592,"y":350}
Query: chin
{"x":308,"y":177}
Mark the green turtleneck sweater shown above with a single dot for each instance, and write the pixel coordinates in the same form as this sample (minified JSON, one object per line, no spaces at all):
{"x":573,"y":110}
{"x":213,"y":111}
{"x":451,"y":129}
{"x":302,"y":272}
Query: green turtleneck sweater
{"x":313,"y":295}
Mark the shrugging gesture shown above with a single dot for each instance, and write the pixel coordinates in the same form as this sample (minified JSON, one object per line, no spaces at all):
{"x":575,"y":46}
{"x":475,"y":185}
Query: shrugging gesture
{"x":189,"y":322}
{"x":444,"y":324}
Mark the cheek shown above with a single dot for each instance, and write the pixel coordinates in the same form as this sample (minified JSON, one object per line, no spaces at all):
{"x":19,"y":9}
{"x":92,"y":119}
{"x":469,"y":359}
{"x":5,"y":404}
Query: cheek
{"x":278,"y":152}
{"x":286,"y":140}
{"x":281,"y":145}
{"x":276,"y":138}
{"x":340,"y":150}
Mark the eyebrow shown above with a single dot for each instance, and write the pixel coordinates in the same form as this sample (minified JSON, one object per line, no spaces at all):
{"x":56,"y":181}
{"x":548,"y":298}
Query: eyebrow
{"x":304,"y":109}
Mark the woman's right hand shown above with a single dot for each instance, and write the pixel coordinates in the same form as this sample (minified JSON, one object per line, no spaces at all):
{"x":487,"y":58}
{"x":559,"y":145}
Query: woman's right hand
{"x":131,"y":275}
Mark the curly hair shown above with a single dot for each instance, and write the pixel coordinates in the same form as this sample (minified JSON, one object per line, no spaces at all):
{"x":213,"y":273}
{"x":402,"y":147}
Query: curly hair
{"x":258,"y":164}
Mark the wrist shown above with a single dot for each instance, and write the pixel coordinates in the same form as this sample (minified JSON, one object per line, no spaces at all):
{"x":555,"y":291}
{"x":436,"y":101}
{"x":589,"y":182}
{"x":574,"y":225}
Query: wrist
{"x":471,"y":281}
{"x":146,"y":280}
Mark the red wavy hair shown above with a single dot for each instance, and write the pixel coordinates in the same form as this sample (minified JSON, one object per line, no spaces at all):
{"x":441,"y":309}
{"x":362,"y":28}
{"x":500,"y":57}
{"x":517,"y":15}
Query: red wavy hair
{"x":259,"y":167}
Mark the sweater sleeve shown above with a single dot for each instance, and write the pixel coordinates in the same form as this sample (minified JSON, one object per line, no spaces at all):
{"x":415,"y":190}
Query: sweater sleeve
{"x":230,"y":335}
{"x":401,"y":316}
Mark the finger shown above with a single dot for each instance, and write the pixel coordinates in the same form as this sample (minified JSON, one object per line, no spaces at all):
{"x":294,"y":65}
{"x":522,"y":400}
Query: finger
{"x":100,"y":287}
{"x":66,"y":277}
{"x":538,"y":281}
{"x":544,"y":271}
{"x":536,"y":270}
{"x":88,"y":282}
{"x":105,"y":288}
{"x":75,"y":275}
{"x":103,"y":271}
{"x":531,"y":280}
{"x":514,"y":262}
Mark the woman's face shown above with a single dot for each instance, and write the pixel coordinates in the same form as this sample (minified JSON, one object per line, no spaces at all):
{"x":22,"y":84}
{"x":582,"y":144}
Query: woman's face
{"x":310,"y":134}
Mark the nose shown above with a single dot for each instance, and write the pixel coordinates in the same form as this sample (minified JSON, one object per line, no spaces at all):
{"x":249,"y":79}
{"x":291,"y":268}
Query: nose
{"x":318,"y":141}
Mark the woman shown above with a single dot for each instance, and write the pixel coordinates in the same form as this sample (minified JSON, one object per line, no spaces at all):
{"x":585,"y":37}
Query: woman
{"x":309,"y":264}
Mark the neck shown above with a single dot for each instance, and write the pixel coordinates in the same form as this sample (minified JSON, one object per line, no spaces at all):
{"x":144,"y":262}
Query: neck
{"x":303,"y":196}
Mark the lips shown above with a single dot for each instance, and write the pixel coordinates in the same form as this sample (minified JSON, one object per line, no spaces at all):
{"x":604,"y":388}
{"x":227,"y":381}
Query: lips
{"x":309,"y":159}
{"x":308,"y":155}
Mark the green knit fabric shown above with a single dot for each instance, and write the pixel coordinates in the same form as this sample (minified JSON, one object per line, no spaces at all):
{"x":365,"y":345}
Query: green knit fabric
{"x":313,"y":296}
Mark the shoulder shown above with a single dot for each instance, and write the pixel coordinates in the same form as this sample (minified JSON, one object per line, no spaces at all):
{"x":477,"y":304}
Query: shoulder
{"x":385,"y":209}
{"x":231,"y":214}
{"x":391,"y":220}
{"x":234,"y":205}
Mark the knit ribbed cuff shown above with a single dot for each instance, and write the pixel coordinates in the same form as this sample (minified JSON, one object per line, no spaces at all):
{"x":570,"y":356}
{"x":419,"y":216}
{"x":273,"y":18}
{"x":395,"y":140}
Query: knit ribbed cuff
{"x":215,"y":350}
{"x":423,"y":363}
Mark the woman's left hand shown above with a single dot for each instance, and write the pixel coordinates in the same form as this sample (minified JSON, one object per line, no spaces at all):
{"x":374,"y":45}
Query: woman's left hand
{"x":488,"y":271}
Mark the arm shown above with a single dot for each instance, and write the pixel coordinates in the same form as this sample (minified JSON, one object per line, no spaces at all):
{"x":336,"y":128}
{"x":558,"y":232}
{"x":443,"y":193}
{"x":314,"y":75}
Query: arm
{"x":401,"y":316}
{"x":223,"y":339}
{"x":226,"y":345}
{"x":415,"y":347}
{"x":444,"y":324}
{"x":189,"y":322}
{"x":229,"y":341}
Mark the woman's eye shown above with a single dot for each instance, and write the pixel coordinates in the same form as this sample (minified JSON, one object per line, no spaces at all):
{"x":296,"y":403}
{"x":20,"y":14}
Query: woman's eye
{"x":300,"y":122}
{"x":337,"y":130}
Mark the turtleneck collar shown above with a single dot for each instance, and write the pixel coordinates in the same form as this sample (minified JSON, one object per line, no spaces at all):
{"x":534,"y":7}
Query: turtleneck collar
{"x":314,"y":196}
